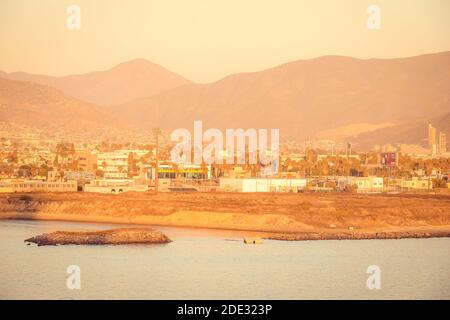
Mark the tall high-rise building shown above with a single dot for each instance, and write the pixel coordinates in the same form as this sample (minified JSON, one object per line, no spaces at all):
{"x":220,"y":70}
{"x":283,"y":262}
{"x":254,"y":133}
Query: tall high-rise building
{"x":432,"y":138}
{"x":442,"y":142}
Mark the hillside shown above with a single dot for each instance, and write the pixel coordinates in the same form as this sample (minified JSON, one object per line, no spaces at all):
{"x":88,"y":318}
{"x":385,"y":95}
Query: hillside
{"x":305,"y":97}
{"x":415,"y":132}
{"x":32,"y":105}
{"x":125,"y":82}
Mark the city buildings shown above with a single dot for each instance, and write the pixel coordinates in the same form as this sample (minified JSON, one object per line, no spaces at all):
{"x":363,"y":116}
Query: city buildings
{"x":442,"y":142}
{"x":432,"y":138}
{"x":86,"y":161}
{"x":436,"y":142}
{"x":113,"y":165}
{"x":46,"y":165}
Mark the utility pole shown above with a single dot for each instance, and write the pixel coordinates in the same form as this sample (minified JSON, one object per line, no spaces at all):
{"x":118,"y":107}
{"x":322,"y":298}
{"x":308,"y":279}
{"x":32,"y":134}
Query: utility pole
{"x":156,"y":133}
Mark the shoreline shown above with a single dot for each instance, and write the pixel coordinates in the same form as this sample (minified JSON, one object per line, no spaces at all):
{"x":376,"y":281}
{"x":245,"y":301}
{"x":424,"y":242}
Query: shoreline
{"x":276,"y":216}
{"x":298,"y":235}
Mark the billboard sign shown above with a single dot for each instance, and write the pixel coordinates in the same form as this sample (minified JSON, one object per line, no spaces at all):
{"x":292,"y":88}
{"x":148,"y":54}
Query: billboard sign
{"x":389,"y":159}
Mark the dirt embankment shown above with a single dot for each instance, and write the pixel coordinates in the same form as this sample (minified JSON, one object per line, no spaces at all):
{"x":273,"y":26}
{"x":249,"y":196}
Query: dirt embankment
{"x":280,"y":213}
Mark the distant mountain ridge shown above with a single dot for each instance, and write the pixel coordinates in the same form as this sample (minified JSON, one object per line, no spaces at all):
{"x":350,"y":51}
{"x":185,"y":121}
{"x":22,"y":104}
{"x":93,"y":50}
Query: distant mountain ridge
{"x":390,"y":100}
{"x":304,"y":97}
{"x":127,"y":81}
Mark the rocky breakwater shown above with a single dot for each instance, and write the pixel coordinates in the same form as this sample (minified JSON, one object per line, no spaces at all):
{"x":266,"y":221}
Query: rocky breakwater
{"x":113,"y":236}
{"x":359,"y":235}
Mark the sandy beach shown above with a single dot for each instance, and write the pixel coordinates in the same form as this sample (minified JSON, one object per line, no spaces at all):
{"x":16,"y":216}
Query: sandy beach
{"x":285,"y":216}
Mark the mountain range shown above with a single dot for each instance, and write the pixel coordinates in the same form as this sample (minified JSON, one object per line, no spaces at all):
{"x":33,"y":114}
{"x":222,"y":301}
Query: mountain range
{"x":365,"y":101}
{"x":127,"y":81}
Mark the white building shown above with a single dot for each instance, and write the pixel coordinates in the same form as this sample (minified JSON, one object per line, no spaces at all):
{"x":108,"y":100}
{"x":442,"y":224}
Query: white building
{"x":261,"y":185}
{"x":113,"y":164}
{"x":417,"y":184}
{"x":114,"y":186}
{"x":363,"y":184}
{"x":42,"y":186}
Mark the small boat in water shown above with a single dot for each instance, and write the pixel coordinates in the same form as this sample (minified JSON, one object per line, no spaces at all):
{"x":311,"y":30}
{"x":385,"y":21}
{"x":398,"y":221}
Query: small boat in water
{"x":252,"y":241}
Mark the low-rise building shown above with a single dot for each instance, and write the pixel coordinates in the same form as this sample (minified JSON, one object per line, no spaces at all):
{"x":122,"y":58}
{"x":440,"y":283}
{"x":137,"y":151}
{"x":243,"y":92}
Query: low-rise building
{"x":79,"y":175}
{"x":6,"y":187}
{"x":416,"y":184}
{"x":114,"y":165}
{"x":186,"y":171}
{"x":362,"y":184}
{"x":114,"y":186}
{"x":261,"y":185}
{"x":86,"y":161}
{"x":42,"y":186}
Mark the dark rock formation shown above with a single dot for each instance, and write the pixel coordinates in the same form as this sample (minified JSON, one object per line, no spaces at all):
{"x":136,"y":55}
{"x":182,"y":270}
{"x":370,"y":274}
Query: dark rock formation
{"x":114,"y":236}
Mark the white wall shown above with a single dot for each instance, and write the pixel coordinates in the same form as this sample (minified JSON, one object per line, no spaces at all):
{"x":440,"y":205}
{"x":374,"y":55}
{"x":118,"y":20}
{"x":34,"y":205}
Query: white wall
{"x":261,"y":185}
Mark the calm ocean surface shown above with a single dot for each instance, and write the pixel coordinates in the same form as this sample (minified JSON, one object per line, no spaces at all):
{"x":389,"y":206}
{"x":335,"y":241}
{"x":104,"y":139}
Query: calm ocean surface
{"x":202,"y":264}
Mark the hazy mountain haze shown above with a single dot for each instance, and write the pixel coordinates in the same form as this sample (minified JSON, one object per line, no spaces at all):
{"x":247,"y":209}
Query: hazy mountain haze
{"x":307,"y":96}
{"x":130,"y":80}
{"x":33,"y":105}
{"x":332,"y":97}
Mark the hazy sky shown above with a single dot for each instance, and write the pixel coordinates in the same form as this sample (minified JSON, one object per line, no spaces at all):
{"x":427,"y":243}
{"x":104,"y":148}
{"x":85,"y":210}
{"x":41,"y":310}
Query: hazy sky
{"x":205,"y":40}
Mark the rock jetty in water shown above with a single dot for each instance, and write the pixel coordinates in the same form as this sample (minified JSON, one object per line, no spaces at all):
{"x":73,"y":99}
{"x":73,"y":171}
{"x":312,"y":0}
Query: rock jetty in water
{"x":359,"y":235}
{"x":113,"y":236}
